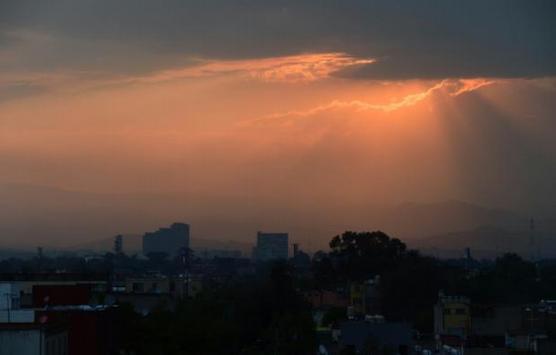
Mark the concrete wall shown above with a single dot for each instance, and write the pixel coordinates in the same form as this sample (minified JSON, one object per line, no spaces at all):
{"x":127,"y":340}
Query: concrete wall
{"x":20,"y":342}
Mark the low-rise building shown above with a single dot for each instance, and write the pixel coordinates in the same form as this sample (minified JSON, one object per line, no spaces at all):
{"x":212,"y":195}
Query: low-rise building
{"x":33,"y":339}
{"x":90,"y":329}
{"x":184,"y":286}
{"x":452,"y":316}
{"x":10,"y":305}
{"x":23,"y":284}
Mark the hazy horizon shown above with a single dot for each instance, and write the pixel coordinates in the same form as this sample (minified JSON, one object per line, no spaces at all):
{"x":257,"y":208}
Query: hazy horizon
{"x":297,"y":116}
{"x":89,"y":218}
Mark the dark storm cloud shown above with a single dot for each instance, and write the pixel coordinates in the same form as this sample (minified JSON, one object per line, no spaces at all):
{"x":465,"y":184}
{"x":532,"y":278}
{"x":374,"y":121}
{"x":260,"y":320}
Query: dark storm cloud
{"x":411,"y":39}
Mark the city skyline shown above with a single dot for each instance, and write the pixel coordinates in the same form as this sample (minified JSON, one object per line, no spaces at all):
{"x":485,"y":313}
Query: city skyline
{"x":116,"y":118}
{"x":288,"y":177}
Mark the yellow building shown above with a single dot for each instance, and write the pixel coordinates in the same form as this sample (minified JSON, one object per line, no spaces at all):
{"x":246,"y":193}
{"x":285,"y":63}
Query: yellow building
{"x":452,"y":315}
{"x":357,"y":297}
{"x":365,"y":297}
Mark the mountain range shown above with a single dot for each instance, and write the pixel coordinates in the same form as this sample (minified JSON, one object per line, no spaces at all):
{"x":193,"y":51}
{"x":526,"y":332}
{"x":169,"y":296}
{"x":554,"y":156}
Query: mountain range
{"x":33,"y":215}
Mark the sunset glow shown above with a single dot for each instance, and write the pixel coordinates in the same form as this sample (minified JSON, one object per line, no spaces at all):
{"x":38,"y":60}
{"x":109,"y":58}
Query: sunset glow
{"x":241,"y":177}
{"x":346,"y":118}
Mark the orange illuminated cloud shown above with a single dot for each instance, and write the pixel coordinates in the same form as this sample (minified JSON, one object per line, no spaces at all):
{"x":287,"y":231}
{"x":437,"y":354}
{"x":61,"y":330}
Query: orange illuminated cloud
{"x":453,"y":87}
{"x":285,"y":69}
{"x":297,"y":68}
{"x":461,"y":86}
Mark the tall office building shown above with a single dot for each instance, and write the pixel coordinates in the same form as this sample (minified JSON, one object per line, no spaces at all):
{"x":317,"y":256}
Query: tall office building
{"x":167,"y":240}
{"x":271,"y":246}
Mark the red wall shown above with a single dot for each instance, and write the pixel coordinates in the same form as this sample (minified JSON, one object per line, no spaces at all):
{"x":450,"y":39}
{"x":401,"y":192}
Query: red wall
{"x":61,"y":295}
{"x":89,"y":332}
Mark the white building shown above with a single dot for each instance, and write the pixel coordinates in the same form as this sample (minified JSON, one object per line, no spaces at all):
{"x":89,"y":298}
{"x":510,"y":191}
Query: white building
{"x":20,"y":334}
{"x":32,"y":339}
{"x":10,"y":300}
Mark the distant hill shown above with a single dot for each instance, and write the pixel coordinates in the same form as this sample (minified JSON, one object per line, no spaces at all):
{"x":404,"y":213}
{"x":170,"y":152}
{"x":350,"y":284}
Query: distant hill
{"x":32,"y":215}
{"x":488,"y":242}
{"x":419,"y":220}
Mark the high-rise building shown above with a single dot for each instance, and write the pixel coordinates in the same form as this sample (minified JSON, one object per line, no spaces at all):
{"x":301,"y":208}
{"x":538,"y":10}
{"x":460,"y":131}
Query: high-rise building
{"x":167,"y":240}
{"x":533,"y":248}
{"x":271,"y":246}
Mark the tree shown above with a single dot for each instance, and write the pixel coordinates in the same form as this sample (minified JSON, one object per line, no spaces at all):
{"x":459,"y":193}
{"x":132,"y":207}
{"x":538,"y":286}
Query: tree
{"x":334,"y":315}
{"x":359,"y":256}
{"x":410,"y":290}
{"x":249,"y":316}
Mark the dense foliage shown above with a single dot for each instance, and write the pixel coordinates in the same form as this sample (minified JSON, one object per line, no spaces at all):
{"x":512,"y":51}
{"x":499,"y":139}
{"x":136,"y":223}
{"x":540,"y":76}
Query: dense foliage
{"x":265,"y":315}
{"x":410,"y":282}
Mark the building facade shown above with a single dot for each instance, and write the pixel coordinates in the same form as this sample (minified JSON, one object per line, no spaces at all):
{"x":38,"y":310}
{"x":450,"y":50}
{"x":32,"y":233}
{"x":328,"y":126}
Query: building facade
{"x":452,"y":316}
{"x":32,"y":339}
{"x":167,"y":240}
{"x":271,"y":246}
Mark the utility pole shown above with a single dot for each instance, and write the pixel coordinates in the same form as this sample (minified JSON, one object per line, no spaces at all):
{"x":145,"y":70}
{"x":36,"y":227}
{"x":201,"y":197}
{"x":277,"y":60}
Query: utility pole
{"x":9,"y":305}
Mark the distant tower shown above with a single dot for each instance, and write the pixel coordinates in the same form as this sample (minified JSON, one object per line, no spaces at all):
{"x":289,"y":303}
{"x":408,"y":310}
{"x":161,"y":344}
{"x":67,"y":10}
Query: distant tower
{"x":40,"y":257}
{"x":186,"y":255}
{"x":468,"y":258}
{"x":532,"y":241}
{"x":118,"y":244}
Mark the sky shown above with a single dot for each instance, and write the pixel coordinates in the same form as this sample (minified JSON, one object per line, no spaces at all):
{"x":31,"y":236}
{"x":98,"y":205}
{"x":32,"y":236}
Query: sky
{"x":244,"y":111}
